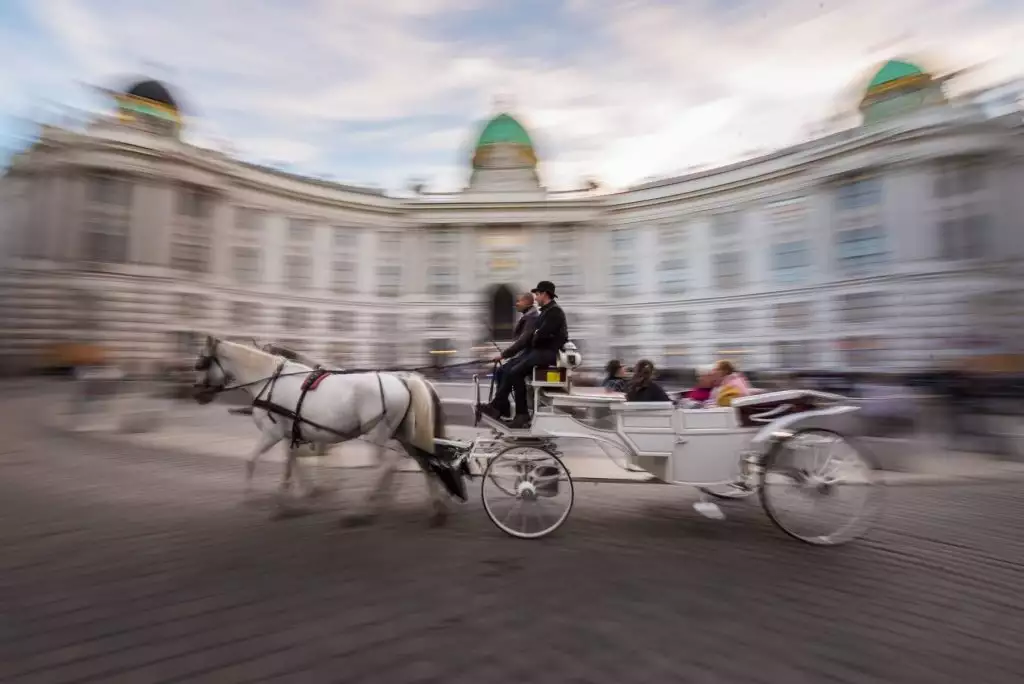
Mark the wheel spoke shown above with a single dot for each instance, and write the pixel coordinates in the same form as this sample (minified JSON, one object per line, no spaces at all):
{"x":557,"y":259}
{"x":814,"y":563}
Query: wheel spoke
{"x":814,"y":505}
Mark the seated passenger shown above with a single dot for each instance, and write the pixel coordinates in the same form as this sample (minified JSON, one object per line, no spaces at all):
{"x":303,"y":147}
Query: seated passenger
{"x":705,"y":383}
{"x":729,"y":384}
{"x":641,"y":387}
{"x":615,"y":377}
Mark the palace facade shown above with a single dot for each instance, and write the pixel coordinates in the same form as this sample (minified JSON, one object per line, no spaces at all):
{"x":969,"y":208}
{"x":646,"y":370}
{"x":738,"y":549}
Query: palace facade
{"x":895,"y":244}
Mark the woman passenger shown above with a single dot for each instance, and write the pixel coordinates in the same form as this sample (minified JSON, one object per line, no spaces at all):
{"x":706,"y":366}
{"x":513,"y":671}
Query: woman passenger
{"x":705,"y":383}
{"x":729,"y":384}
{"x":641,"y":386}
{"x":615,"y":377}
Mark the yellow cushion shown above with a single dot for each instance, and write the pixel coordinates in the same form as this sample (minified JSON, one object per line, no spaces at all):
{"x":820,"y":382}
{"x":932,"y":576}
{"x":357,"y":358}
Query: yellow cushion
{"x":726,"y":395}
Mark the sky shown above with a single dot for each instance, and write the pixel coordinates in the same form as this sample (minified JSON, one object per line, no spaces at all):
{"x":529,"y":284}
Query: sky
{"x":380,"y":92}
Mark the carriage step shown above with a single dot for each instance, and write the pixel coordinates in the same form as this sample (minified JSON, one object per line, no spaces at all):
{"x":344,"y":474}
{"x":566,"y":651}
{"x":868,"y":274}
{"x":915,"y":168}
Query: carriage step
{"x":504,"y":429}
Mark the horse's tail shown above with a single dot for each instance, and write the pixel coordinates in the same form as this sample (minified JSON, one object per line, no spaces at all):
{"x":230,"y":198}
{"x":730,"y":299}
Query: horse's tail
{"x":425,"y":419}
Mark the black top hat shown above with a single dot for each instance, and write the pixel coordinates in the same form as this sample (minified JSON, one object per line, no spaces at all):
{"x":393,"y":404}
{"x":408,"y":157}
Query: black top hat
{"x":545,"y":286}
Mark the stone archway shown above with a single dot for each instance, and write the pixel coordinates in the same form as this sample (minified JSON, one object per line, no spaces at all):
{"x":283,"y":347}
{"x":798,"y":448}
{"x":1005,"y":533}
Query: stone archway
{"x":501,"y":314}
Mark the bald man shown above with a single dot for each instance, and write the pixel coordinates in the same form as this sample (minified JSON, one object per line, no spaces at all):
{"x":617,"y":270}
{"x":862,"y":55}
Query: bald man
{"x":523,"y":332}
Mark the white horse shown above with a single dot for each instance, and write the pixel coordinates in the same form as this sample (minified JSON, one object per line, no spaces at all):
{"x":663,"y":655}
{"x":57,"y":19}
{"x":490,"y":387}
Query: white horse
{"x":341,"y":406}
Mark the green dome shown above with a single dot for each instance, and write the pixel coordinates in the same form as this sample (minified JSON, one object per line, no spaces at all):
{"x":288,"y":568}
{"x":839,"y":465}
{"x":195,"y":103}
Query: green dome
{"x":894,"y":70}
{"x":503,"y":129}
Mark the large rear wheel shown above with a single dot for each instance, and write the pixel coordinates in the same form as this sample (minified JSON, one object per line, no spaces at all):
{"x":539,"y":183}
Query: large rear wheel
{"x":527,"y":491}
{"x":819,"y":488}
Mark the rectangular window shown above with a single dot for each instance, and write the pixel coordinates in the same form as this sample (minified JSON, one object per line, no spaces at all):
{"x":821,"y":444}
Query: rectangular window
{"x":675,"y":323}
{"x":861,"y":352}
{"x":672,"y":236}
{"x":726,"y":226}
{"x":624,"y":242}
{"x":625,"y":325}
{"x":858,"y":194}
{"x":793,"y":315}
{"x":109,"y":189}
{"x":627,"y":356}
{"x":298,"y":272}
{"x":861,"y":307}
{"x":861,"y":249}
{"x":343,"y":276}
{"x":728,"y":269}
{"x":343,"y":323}
{"x":963,"y":237}
{"x":677,"y":358}
{"x":672,"y":275}
{"x":345,"y":239}
{"x":106,"y":240}
{"x":958,"y":177}
{"x":248,"y":220}
{"x":792,"y":355}
{"x":244,"y":315}
{"x":624,"y":279}
{"x":442,"y":279}
{"x":300,"y":230}
{"x":245,"y":264}
{"x":294,"y":318}
{"x":444,"y":242}
{"x":387,"y":326}
{"x":791,"y":260}
{"x":388,"y":276}
{"x":732,"y":320}
{"x":194,"y":202}
{"x":191,"y":256}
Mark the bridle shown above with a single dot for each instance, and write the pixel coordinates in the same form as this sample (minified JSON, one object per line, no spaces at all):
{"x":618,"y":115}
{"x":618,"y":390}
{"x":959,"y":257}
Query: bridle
{"x":208,"y":360}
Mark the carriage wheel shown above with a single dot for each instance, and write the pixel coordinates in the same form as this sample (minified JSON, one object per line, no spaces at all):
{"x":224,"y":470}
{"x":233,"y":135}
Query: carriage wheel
{"x":820,"y":489}
{"x":527,"y":491}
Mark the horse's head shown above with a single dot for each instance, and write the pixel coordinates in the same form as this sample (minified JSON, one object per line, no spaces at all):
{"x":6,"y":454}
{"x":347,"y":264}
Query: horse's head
{"x":211,"y":376}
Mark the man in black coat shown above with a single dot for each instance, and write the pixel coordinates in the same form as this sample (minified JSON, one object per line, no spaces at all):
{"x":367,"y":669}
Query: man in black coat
{"x":550,"y":335}
{"x":523,"y":335}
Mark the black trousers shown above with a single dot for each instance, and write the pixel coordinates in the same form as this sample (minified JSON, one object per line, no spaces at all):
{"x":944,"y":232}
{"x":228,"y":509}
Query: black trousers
{"x":513,"y":380}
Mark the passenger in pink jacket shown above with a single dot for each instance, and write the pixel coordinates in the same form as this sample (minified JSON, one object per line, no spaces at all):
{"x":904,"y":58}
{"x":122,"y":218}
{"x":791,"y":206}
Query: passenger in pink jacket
{"x":729,"y":384}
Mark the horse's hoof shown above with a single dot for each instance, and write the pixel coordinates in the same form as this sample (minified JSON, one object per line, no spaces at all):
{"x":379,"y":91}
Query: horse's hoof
{"x":317,"y":492}
{"x":357,"y":520}
{"x":439,"y":519}
{"x":289,"y":513}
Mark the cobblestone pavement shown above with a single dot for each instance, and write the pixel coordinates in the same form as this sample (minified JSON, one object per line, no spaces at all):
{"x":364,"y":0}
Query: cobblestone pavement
{"x":136,"y":565}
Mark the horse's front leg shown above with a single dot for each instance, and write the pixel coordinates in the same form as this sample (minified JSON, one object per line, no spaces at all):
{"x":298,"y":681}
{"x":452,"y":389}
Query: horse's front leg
{"x":267,"y":440}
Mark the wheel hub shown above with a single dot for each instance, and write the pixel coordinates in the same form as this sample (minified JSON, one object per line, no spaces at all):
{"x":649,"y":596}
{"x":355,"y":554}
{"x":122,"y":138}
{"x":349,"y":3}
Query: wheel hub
{"x":526,"y":490}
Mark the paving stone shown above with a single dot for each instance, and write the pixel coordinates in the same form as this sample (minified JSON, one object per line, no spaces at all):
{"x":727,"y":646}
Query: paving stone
{"x":135,"y":565}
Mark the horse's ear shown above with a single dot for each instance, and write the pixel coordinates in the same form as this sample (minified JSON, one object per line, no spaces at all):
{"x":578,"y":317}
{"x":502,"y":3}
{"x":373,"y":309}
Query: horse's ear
{"x":210,"y":342}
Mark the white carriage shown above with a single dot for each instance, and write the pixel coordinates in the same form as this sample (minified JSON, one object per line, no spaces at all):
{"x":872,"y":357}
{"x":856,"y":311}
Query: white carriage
{"x":792,"y":444}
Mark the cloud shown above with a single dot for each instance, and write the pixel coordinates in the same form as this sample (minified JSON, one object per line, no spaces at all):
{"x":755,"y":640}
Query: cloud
{"x":381,"y":91}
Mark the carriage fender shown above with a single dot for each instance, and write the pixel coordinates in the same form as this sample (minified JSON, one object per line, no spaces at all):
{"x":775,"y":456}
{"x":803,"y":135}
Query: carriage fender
{"x":839,"y":419}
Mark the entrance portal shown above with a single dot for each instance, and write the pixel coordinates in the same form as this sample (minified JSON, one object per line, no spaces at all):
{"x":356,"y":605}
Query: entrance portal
{"x":502,"y":317}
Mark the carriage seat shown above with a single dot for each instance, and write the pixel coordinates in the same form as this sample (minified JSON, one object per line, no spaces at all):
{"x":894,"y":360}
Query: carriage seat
{"x":558,"y":377}
{"x":757,"y":410}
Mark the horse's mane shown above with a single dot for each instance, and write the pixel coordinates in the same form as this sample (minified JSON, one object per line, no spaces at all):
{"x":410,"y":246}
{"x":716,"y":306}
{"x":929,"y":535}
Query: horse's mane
{"x":253,"y":358}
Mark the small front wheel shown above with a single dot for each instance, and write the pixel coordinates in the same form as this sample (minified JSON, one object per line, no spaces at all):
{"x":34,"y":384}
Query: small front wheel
{"x":527,"y":491}
{"x":819,"y":488}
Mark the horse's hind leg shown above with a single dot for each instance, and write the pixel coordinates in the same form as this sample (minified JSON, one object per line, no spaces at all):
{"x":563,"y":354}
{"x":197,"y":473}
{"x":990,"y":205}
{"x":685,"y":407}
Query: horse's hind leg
{"x":383,"y":489}
{"x":439,"y":514}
